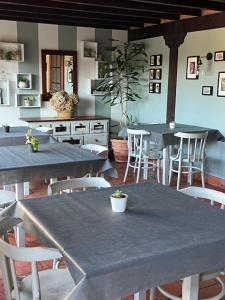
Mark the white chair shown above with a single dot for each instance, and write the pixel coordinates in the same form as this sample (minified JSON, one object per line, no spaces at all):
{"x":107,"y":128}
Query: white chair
{"x":6,"y":198}
{"x":77,"y":184}
{"x":214,"y":197}
{"x":53,"y":284}
{"x":45,"y":129}
{"x":190,"y":156}
{"x":141,"y":152}
{"x":99,"y":149}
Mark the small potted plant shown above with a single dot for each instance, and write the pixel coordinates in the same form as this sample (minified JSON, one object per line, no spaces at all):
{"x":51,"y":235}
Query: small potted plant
{"x":31,"y":141}
{"x":28,"y":101}
{"x":119,"y":201}
{"x":23,"y":83}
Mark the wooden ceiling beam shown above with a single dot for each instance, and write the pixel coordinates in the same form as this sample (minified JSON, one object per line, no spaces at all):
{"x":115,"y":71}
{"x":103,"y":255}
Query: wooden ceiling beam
{"x":116,"y":6}
{"x":12,"y":9}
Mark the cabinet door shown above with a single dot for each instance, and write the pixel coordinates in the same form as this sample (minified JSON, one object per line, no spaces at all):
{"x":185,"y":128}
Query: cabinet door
{"x":98,"y":139}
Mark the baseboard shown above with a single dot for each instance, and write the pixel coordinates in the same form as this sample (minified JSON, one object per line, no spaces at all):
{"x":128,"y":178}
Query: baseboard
{"x":211,"y":180}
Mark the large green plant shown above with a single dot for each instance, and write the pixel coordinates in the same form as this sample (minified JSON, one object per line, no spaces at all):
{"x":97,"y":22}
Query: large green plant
{"x":122,"y":76}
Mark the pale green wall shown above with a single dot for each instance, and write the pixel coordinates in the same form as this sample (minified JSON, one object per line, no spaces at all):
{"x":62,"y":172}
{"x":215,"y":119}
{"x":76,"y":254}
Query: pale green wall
{"x":152,"y":107}
{"x":191,"y":106}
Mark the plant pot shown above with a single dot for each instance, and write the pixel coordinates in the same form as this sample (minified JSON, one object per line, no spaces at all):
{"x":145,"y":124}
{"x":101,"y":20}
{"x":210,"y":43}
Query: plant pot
{"x":27,"y":102}
{"x":23,"y":84}
{"x":120,"y":150}
{"x":119,"y":204}
{"x":65,"y":114}
{"x":33,"y":148}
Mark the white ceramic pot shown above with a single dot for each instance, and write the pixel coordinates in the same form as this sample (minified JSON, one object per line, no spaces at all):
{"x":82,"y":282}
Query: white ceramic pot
{"x":22,"y":84}
{"x":119,"y":204}
{"x":27,"y":102}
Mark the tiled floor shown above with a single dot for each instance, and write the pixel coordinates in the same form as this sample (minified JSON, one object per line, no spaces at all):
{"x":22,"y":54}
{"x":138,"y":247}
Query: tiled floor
{"x":40,"y":189}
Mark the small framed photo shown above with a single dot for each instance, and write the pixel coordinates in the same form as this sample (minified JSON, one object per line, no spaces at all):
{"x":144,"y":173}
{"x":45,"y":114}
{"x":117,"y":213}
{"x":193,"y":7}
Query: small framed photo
{"x":158,"y":74}
{"x":221,"y":84}
{"x":219,"y":56}
{"x":207,"y":90}
{"x":151,"y":87}
{"x":158,"y":60}
{"x":152,"y":74}
{"x":157,"y":87}
{"x":152,"y":60}
{"x":192,"y":67}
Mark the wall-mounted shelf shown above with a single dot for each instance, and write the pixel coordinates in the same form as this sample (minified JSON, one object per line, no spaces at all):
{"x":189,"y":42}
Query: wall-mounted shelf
{"x":100,"y":66}
{"x":28,"y":100}
{"x":4,"y":92}
{"x":94,"y":92}
{"x":89,"y":50}
{"x":11,"y":52}
{"x":24,"y":81}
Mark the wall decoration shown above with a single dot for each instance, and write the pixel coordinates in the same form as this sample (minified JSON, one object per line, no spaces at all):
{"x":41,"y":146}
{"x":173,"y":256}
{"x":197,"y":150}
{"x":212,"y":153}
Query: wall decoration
{"x":221,"y":84}
{"x":207,"y":90}
{"x":219,"y":56}
{"x":152,"y":74}
{"x":151,"y":87}
{"x":156,"y":60}
{"x":192,"y":67}
{"x":158,"y":88}
{"x":158,"y":74}
{"x":4,"y":91}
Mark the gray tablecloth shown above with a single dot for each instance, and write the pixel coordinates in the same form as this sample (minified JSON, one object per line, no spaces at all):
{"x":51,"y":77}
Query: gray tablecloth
{"x":18,"y":164}
{"x":164,"y":136}
{"x":164,"y":235}
{"x":17,"y":136}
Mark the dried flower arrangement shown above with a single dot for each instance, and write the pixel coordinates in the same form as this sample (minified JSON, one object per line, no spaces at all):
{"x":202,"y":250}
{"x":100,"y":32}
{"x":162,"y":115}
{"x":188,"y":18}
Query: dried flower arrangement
{"x":62,"y":101}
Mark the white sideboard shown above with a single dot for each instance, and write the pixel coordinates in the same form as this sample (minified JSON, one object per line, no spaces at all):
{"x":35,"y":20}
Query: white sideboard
{"x":77,"y":131}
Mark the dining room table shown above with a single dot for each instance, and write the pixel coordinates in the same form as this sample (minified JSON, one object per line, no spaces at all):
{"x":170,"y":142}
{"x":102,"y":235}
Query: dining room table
{"x":163,"y":136}
{"x":53,"y":160}
{"x":163,"y":236}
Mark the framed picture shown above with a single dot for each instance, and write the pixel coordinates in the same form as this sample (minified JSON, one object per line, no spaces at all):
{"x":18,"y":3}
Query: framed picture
{"x":152,"y":60}
{"x":157,"y":87}
{"x":192,"y":67}
{"x":221,"y":84}
{"x":151,"y":87}
{"x":207,"y":90}
{"x":219,"y":56}
{"x":158,"y":74}
{"x":158,"y":60}
{"x":152,"y":74}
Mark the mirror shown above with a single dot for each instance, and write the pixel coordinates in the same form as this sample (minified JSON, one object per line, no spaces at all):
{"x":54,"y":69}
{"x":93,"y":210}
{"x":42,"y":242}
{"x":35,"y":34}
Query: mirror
{"x":59,"y":71}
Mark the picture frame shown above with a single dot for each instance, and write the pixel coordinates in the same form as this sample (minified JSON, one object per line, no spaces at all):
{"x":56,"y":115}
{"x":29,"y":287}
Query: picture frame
{"x":151,"y":87}
{"x":207,"y":90}
{"x":219,"y":56}
{"x":192,"y":67}
{"x":152,"y":60}
{"x":152,"y":74}
{"x":158,"y":60}
{"x":157,"y":87}
{"x":158,"y":74}
{"x":221,"y":84}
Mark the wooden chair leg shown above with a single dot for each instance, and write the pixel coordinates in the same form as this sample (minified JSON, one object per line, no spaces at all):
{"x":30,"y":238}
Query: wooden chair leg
{"x":127,"y":169}
{"x":202,"y":175}
{"x":152,"y":294}
{"x":170,"y":172}
{"x":158,"y":170}
{"x":139,"y":169}
{"x":179,"y":176}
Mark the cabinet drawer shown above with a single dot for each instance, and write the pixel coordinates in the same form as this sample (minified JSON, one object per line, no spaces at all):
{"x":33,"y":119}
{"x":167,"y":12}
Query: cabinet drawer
{"x":81,"y":127}
{"x":99,"y":139}
{"x":61,"y":128}
{"x":99,"y":126}
{"x":75,"y":140}
{"x":41,"y":124}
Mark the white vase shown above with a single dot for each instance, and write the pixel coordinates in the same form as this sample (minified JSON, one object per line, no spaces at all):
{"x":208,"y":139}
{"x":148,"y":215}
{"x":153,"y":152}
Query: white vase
{"x":22,"y":84}
{"x":119,"y":204}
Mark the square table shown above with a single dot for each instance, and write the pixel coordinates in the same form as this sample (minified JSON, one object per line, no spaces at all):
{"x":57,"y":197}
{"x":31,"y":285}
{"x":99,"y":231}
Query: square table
{"x":164,"y":138}
{"x":17,"y":136}
{"x":163,"y":236}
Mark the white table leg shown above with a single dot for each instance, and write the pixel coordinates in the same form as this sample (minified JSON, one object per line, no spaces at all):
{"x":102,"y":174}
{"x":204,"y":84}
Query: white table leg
{"x":166,"y":162}
{"x":20,"y":234}
{"x":140,"y":295}
{"x":190,"y":287}
{"x":26,"y":188}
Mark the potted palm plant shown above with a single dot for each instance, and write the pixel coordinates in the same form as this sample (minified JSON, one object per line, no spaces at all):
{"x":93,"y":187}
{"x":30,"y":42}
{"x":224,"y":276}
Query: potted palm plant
{"x":121,"y":79}
{"x":119,"y":201}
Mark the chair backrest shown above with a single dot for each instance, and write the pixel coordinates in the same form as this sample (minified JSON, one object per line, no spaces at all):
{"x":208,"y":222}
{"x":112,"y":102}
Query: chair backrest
{"x":99,"y":149}
{"x":9,"y":254}
{"x":77,"y":184}
{"x":205,"y":193}
{"x":136,"y":141}
{"x":192,"y":145}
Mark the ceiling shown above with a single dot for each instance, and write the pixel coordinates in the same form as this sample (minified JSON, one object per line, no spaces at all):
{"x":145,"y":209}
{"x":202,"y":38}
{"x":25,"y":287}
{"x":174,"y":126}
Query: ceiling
{"x":115,"y":14}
